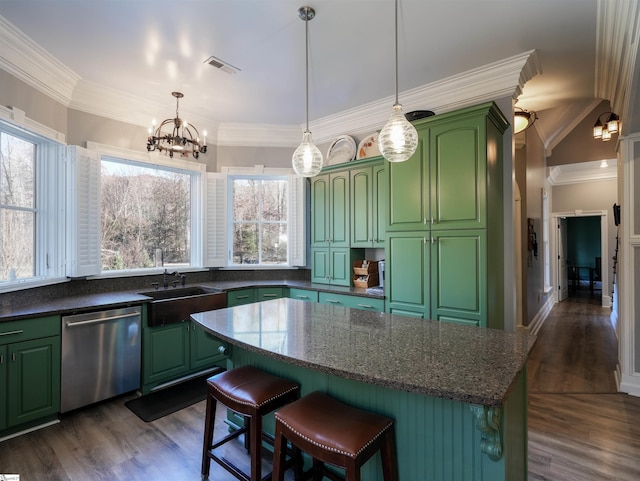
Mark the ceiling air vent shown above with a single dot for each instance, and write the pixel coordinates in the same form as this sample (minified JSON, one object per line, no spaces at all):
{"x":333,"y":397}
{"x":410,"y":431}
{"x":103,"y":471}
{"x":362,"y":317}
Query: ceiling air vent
{"x":222,"y":65}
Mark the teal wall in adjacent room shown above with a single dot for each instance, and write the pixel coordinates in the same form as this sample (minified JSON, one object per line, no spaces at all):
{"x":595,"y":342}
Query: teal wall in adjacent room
{"x":583,"y":240}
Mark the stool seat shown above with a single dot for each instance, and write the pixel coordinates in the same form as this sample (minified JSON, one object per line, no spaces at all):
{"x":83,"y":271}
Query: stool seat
{"x":332,"y":432}
{"x":252,"y":393}
{"x":250,"y":387}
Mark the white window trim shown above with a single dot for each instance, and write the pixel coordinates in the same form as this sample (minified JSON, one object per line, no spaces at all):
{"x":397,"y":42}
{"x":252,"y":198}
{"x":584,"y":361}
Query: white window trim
{"x":154,"y":159}
{"x":50,"y":243}
{"x":296,"y":215}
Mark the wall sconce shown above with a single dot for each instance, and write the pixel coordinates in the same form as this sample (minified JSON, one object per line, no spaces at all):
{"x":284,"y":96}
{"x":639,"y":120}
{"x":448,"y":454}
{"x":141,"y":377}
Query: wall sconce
{"x":610,"y":126}
{"x":523,"y":119}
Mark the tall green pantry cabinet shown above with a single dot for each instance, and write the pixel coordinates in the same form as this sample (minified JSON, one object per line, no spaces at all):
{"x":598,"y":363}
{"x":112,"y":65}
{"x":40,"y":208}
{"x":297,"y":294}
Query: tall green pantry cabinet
{"x":331,"y":254}
{"x":444,"y":221}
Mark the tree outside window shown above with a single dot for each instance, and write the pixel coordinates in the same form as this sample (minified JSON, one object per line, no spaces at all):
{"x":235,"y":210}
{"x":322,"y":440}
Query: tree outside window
{"x":260,"y":224}
{"x":145,"y":216}
{"x":17,"y":208}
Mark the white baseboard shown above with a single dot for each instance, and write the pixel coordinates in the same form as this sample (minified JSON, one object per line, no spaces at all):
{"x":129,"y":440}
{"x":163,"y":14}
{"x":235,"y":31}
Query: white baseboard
{"x":537,"y":322}
{"x":630,"y":385}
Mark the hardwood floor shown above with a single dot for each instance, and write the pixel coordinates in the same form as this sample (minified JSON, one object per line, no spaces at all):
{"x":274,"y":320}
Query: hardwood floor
{"x":578,"y":429}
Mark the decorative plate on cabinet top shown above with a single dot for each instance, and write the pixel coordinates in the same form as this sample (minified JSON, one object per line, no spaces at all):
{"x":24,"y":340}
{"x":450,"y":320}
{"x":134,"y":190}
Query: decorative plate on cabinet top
{"x":368,"y":147}
{"x":343,"y":149}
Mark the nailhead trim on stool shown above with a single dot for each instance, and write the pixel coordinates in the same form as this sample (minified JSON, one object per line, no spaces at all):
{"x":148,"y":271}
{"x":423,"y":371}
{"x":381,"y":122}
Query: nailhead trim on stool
{"x":252,"y":393}
{"x":334,"y":433}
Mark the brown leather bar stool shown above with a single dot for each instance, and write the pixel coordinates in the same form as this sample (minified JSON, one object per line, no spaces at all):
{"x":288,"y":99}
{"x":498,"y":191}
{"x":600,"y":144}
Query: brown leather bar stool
{"x":334,"y":433}
{"x":252,"y":393}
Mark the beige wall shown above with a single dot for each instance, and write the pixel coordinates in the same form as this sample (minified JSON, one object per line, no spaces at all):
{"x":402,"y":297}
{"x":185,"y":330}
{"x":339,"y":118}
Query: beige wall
{"x":36,"y":105}
{"x":533,"y":267}
{"x":580,"y":146}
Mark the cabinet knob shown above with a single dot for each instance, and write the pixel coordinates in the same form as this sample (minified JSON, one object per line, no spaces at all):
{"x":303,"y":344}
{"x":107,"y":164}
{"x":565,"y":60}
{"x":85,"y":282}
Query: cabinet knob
{"x":222,"y":349}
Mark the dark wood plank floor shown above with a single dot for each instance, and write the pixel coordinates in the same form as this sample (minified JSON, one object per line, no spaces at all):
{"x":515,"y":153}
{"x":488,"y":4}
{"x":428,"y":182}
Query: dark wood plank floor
{"x":578,"y":430}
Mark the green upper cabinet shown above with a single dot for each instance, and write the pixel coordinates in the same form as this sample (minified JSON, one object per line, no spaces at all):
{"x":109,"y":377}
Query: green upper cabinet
{"x":407,"y":187}
{"x":368,"y":206}
{"x":458,"y":156}
{"x":330,"y":210}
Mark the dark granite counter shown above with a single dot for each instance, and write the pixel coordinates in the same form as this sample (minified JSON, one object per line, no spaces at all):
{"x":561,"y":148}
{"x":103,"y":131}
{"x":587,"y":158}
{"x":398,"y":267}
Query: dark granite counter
{"x":32,"y":305}
{"x":437,"y":359}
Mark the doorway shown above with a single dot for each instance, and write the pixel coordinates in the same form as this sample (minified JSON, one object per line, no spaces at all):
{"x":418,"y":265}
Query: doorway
{"x":581,"y":246}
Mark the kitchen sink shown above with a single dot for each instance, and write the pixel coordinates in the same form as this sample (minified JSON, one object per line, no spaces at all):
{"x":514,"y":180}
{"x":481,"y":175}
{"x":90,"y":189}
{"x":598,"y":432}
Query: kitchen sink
{"x":177,"y":304}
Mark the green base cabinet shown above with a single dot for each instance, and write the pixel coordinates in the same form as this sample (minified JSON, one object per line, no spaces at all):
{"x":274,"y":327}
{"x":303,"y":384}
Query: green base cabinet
{"x":34,"y":380}
{"x":303,"y":294}
{"x":166,"y":352}
{"x":177,"y":350}
{"x":241,"y":296}
{"x":356,"y":302}
{"x":29,"y":372}
{"x":268,"y":293}
{"x":3,"y":387}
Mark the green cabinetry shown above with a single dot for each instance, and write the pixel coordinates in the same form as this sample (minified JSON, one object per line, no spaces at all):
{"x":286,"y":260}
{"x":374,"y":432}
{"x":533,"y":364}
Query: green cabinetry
{"x":29,"y":372}
{"x":444,"y":221}
{"x":408,"y":274}
{"x":303,"y":294}
{"x":241,"y":296}
{"x":459,"y":276}
{"x":177,"y":350}
{"x":331,"y":255}
{"x":268,"y":293}
{"x":368,"y":206}
{"x":355,"y":302}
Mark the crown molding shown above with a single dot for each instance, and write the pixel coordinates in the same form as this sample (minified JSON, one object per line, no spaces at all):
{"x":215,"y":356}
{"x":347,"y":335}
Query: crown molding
{"x":33,"y":65}
{"x":258,"y":135}
{"x":565,"y":119}
{"x":617,"y":40}
{"x":583,"y":172}
{"x":504,"y":78}
{"x":30,"y":63}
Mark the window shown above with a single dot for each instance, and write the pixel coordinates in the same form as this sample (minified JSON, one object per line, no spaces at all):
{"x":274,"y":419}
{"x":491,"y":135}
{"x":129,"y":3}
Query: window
{"x":145,"y":216}
{"x":259,"y":220}
{"x":31,"y":190}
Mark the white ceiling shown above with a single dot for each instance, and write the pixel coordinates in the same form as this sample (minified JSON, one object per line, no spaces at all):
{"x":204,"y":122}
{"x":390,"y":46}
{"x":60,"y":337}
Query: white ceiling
{"x":142,"y":50}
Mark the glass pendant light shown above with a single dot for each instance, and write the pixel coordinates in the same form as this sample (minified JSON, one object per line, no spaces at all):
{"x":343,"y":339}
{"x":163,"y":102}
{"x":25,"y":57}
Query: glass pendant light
{"x":307,"y":159}
{"x":398,"y":139}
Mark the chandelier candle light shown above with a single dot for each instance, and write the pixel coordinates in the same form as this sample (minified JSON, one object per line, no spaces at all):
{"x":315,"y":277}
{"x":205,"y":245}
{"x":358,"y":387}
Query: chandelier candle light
{"x":398,"y":139}
{"x":307,"y":158}
{"x":183,"y":138}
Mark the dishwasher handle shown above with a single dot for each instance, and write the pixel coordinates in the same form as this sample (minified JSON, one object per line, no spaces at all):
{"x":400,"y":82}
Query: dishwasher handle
{"x":98,"y":321}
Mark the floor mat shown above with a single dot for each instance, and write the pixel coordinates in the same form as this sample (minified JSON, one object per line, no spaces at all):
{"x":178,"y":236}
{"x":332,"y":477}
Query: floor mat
{"x":169,"y":400}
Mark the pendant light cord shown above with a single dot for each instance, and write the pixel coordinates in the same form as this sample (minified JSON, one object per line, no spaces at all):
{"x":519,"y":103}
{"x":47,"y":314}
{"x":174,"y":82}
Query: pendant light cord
{"x":306,"y":42}
{"x":396,"y":15}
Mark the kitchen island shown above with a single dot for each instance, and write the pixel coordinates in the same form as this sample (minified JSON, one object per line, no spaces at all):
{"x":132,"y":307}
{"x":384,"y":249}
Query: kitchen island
{"x":457,"y":393}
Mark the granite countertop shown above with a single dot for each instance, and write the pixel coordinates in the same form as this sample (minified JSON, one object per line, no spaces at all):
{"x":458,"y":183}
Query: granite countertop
{"x":438,"y":359}
{"x":34,"y":307}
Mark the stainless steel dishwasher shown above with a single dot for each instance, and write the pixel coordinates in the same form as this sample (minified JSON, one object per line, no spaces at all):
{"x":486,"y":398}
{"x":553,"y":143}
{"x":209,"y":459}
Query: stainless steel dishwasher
{"x":100,"y":356}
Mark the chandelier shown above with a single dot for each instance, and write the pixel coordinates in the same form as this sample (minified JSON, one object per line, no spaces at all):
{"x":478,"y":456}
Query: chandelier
{"x":176,"y":136}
